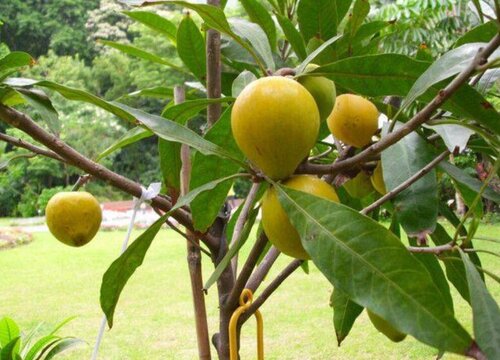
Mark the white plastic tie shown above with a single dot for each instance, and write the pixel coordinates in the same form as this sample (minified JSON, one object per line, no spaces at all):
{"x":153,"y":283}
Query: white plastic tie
{"x":146,"y":194}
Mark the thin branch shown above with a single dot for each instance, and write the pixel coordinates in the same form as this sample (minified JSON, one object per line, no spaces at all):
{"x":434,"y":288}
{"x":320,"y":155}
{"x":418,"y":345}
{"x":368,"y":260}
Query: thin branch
{"x":431,"y":250}
{"x":270,"y":289}
{"x":28,"y":146}
{"x":262,"y":270}
{"x":73,"y":157}
{"x":421,"y":117}
{"x":82,"y":180}
{"x":406,"y":184}
{"x":241,"y":221}
{"x":246,"y":271}
{"x":481,"y":251}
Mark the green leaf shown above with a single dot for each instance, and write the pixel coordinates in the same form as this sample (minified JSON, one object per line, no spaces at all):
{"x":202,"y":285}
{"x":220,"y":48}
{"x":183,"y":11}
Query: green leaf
{"x":155,"y":22}
{"x":172,"y":131}
{"x":293,"y":36}
{"x":207,"y":168}
{"x":191,"y":47}
{"x":43,"y":106}
{"x":393,"y":74}
{"x":241,"y":81}
{"x":8,"y":331}
{"x":481,"y":33}
{"x":449,"y":64}
{"x":157,"y":92}
{"x":346,"y":46}
{"x":233,"y":250}
{"x":485,"y":312}
{"x":320,"y":18}
{"x":455,"y":270}
{"x":42,"y":344}
{"x":13,"y":61}
{"x":9,"y":352}
{"x":130,"y":137}
{"x":259,"y":15}
{"x":63,"y":345}
{"x":415,"y":207}
{"x":72,"y":94}
{"x":186,"y":110}
{"x":453,"y":135}
{"x":345,"y":312}
{"x":359,"y":13}
{"x":120,"y":271}
{"x":256,"y":38}
{"x":474,"y":184}
{"x":5,"y":164}
{"x":315,"y":53}
{"x":170,"y":165}
{"x":373,"y":267}
{"x":141,"y":54}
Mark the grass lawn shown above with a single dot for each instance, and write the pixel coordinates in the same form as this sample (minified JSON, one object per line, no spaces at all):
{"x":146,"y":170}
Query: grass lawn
{"x":46,"y":281}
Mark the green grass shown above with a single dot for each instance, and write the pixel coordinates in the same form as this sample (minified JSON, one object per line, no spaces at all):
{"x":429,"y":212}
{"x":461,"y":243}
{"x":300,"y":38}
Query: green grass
{"x":46,"y":281}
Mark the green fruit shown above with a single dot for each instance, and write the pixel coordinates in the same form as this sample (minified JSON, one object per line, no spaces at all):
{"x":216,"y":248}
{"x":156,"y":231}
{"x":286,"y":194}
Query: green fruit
{"x":377,"y":179}
{"x":275,"y":222}
{"x":360,"y":186}
{"x":73,"y":217}
{"x":275,"y":123}
{"x":385,"y":328}
{"x":322,"y":90}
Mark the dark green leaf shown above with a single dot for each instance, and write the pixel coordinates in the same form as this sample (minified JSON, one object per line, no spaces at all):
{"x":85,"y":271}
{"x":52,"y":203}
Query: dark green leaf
{"x":121,"y":269}
{"x":259,"y":15}
{"x":13,"y":61}
{"x":485,"y":312}
{"x":243,"y":79}
{"x":130,"y":137}
{"x":345,"y":312}
{"x":158,"y":92}
{"x":186,"y":110}
{"x":207,"y":168}
{"x":393,"y":74}
{"x":315,"y":53}
{"x":191,"y":47}
{"x":359,"y":13}
{"x":454,"y":269}
{"x":373,"y":267}
{"x":416,"y":207}
{"x":8,"y":331}
{"x":172,"y":131}
{"x":63,"y":345}
{"x":9,"y":352}
{"x":320,"y":18}
{"x":474,"y":184}
{"x":43,"y":106}
{"x":346,"y":46}
{"x":481,"y":33}
{"x":293,"y":36}
{"x":155,"y":22}
{"x":141,"y":54}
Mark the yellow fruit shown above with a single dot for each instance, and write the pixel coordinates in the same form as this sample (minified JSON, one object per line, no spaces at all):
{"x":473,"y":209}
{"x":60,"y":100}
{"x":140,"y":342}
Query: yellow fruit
{"x":377,"y":179}
{"x":73,"y":217}
{"x":354,"y":120}
{"x":275,"y":122}
{"x":385,"y":328}
{"x":360,"y":186}
{"x":322,"y":90}
{"x":275,"y":222}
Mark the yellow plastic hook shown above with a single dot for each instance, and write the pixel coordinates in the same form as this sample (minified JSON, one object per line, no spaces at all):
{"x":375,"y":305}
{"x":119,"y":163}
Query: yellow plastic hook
{"x":246,"y":299}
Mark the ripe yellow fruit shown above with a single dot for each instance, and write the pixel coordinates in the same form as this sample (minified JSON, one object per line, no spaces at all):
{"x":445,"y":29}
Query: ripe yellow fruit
{"x":385,"y":328}
{"x":377,"y":179}
{"x":354,"y":120}
{"x":360,"y":186}
{"x":73,"y":217}
{"x":275,"y":222}
{"x":275,"y":122}
{"x":322,"y":90}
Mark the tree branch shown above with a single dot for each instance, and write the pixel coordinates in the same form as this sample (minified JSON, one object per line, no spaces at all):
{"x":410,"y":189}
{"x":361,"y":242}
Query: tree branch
{"x":73,"y":157}
{"x":28,"y":146}
{"x":406,"y":184}
{"x":246,"y":271}
{"x":421,"y":117}
{"x":262,"y":270}
{"x":269,"y":290}
{"x":431,"y":250}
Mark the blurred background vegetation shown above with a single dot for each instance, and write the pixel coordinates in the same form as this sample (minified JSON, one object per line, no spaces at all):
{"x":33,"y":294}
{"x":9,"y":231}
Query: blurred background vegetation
{"x":63,"y":37}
